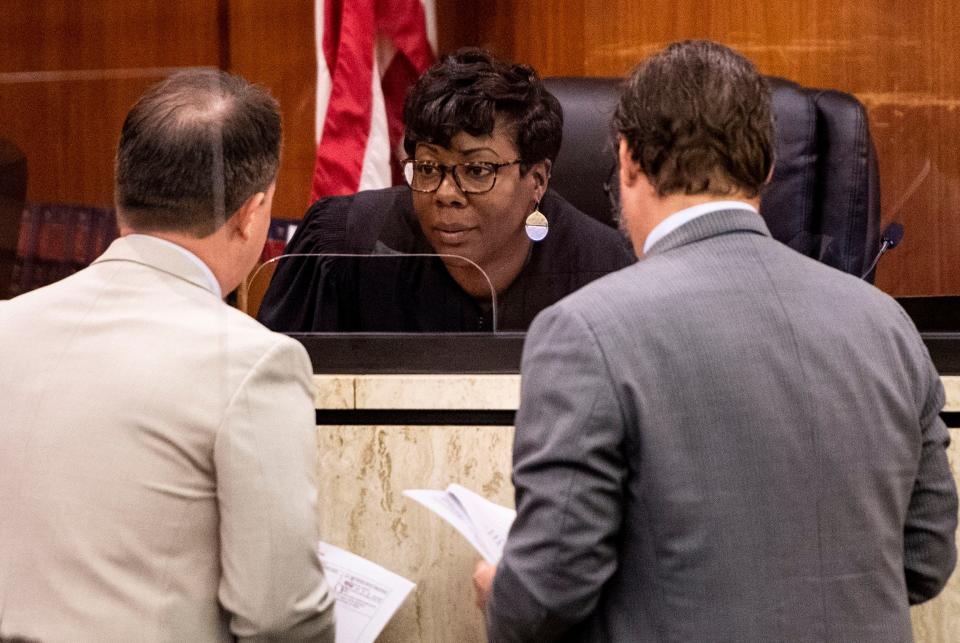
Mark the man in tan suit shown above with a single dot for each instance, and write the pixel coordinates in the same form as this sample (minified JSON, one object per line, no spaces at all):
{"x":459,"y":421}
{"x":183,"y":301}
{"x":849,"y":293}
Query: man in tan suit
{"x":157,"y":447}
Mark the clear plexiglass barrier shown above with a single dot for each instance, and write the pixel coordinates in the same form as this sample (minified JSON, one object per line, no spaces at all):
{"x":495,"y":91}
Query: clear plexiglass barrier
{"x":375,"y":293}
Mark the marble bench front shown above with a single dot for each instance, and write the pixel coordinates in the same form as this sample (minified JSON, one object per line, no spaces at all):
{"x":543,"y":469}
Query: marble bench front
{"x":364,"y":468}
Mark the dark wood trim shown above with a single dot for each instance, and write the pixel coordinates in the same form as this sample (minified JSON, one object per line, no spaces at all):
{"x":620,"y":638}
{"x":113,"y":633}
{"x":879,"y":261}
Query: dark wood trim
{"x":365,"y":354}
{"x":944,"y":351}
{"x":938,"y":319}
{"x":933,"y":314}
{"x":375,"y":353}
{"x":414,"y":417}
{"x":458,"y":417}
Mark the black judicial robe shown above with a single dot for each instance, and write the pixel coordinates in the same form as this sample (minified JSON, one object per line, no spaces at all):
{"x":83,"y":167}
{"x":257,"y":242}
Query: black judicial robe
{"x":386,"y":291}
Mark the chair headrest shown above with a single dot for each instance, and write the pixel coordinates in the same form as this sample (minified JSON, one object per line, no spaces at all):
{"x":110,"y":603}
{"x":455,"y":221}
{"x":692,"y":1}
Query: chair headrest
{"x":823,"y":201}
{"x":587,"y":157}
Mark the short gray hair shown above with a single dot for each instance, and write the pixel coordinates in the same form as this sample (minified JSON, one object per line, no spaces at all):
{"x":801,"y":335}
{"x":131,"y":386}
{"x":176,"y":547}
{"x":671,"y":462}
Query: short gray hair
{"x":193,"y":149}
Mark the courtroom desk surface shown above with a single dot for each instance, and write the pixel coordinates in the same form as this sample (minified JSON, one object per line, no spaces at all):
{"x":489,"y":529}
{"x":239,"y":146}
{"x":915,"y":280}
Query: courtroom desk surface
{"x":479,"y":392}
{"x":364,"y":468}
{"x":951,"y":384}
{"x":456,"y":391}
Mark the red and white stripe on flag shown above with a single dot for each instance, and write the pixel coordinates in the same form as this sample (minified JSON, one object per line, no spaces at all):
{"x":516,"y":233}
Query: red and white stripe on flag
{"x":368,"y":54}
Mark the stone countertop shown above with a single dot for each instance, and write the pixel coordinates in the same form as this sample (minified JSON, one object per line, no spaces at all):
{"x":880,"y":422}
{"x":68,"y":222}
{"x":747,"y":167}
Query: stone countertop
{"x":951,"y":383}
{"x":423,"y":392}
{"x":473,"y":392}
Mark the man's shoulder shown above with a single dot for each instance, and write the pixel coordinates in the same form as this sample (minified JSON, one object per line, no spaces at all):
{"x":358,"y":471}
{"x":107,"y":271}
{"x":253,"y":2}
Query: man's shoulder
{"x":606,"y":299}
{"x":838,"y":289}
{"x":383,"y":197}
{"x":27,"y":312}
{"x":207,"y":336}
{"x":243,"y":332}
{"x":667,"y":286}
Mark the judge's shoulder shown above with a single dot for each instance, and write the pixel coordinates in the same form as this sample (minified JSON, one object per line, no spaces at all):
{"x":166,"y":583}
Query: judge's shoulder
{"x":592,"y":244}
{"x":333,"y":223}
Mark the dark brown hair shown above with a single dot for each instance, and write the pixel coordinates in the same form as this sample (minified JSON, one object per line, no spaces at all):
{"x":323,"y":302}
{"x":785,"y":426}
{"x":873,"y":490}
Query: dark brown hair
{"x":697,"y":119}
{"x":193,"y":149}
{"x":468,"y":90}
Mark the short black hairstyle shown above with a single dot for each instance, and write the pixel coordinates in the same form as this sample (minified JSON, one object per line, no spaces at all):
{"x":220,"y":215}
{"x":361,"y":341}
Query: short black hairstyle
{"x":468,"y":90}
{"x":193,"y":149}
{"x":697,"y":118}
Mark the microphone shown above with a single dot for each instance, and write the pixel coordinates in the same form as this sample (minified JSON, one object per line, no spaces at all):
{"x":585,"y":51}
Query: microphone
{"x":889,"y":240}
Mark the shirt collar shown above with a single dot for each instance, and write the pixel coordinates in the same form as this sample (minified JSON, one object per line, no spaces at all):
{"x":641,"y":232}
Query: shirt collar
{"x":686,"y":215}
{"x":204,"y":268}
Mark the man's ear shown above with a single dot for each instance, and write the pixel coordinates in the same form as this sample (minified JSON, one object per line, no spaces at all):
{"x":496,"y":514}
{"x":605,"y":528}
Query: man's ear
{"x":629,"y":169}
{"x":244,"y":220}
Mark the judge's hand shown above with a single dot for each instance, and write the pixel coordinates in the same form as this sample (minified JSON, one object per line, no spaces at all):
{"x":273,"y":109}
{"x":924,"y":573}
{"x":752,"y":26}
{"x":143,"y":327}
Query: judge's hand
{"x":483,"y":575}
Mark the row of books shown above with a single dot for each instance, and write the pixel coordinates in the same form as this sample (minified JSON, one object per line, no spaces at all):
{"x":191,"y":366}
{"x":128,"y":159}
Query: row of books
{"x":58,"y":239}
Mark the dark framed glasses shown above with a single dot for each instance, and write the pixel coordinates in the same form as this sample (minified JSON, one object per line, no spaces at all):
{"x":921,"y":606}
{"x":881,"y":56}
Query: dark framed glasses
{"x":475,"y":177}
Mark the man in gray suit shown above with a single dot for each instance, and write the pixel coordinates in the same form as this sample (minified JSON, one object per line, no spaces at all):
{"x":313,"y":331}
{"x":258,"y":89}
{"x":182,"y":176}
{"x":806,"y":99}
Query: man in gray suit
{"x":727,"y":441}
{"x":157,"y":447}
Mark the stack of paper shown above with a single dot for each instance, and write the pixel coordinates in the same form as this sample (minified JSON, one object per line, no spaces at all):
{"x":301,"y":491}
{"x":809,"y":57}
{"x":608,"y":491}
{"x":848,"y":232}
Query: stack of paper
{"x":483,"y":523}
{"x":367,"y":595}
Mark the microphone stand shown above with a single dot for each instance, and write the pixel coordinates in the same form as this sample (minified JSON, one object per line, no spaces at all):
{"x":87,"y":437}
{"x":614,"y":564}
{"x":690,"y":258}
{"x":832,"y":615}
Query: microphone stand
{"x":891,"y":236}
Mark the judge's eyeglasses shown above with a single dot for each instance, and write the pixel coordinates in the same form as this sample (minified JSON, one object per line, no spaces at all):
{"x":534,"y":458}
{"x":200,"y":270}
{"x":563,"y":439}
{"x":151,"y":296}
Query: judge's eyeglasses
{"x":475,"y":177}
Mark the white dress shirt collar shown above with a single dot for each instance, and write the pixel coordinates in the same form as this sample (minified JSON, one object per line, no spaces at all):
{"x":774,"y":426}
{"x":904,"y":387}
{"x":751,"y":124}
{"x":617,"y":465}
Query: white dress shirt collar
{"x":686,"y":215}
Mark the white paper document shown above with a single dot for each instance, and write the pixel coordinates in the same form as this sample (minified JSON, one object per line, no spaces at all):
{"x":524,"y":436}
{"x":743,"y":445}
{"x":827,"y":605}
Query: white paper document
{"x":367,"y":595}
{"x":483,"y":523}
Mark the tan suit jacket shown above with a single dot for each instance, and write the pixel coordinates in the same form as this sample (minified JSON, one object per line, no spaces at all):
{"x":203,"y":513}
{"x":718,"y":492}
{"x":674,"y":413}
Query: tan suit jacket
{"x":157,"y":451}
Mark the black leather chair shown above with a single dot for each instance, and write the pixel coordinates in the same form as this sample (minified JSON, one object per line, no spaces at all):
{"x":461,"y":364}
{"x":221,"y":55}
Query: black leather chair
{"x":824,"y":200}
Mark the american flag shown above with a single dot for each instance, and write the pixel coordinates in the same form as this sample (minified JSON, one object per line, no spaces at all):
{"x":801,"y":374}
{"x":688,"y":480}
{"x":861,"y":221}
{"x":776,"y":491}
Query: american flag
{"x":368,"y":54}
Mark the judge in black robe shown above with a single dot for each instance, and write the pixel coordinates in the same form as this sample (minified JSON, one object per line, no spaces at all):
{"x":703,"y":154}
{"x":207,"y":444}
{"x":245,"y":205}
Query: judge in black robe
{"x":384,"y":291}
{"x":481,"y":136}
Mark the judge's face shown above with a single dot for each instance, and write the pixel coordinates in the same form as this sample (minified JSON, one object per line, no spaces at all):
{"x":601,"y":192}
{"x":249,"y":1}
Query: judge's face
{"x":487,"y":228}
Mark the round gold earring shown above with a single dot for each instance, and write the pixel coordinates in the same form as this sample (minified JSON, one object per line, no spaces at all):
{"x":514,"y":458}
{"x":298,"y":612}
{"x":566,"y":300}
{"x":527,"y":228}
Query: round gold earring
{"x":537,"y":225}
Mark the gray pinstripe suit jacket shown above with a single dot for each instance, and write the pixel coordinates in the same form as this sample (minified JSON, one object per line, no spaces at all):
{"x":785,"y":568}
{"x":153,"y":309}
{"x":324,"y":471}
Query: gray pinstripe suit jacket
{"x":725,"y":442}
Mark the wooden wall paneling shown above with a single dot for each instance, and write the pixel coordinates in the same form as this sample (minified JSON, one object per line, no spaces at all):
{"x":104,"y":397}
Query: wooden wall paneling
{"x":917,"y":114}
{"x":460,"y":24}
{"x":885,"y":53}
{"x":70,"y":71}
{"x":106,"y":34}
{"x":488,"y":25}
{"x":517,"y":30}
{"x":69,"y":131}
{"x":272,"y":44}
{"x":555,"y":35}
{"x":901,"y":59}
